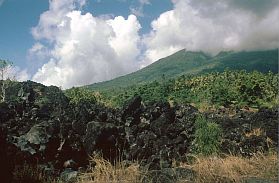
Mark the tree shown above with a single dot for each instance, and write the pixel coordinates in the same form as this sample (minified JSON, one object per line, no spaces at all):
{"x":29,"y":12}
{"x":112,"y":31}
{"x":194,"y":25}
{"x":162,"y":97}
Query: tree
{"x":5,"y":77}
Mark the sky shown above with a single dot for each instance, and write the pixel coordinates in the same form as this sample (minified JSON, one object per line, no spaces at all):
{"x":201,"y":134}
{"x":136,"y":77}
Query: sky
{"x":78,"y":42}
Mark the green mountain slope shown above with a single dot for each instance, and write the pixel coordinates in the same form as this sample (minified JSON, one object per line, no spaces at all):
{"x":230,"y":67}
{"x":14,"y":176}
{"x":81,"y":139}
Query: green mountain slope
{"x":262,"y":61}
{"x":188,"y":62}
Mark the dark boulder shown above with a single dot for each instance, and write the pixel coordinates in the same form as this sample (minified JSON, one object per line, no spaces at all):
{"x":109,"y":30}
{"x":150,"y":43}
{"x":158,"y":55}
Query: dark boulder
{"x":163,"y":137}
{"x":79,"y":127}
{"x":132,"y":106}
{"x":131,"y":111}
{"x":102,"y":137}
{"x":249,"y":133}
{"x":71,"y":149}
{"x":5,"y":112}
{"x":6,"y":166}
{"x":69,"y":176}
{"x":38,"y":137}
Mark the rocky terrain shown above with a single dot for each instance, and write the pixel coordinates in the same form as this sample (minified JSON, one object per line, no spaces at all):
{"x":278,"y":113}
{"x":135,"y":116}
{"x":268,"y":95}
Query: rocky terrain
{"x":39,"y":126}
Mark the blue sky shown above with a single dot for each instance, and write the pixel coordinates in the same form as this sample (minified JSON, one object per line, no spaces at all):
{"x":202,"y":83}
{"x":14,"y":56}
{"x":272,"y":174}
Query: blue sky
{"x":16,"y":19}
{"x":78,"y":42}
{"x":18,"y":16}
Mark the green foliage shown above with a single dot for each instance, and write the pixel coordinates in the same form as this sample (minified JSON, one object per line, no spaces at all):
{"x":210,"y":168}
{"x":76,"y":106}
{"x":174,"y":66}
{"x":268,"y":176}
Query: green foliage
{"x":230,"y":88}
{"x":52,"y":96}
{"x":80,"y":95}
{"x":187,"y":63}
{"x":207,"y":137}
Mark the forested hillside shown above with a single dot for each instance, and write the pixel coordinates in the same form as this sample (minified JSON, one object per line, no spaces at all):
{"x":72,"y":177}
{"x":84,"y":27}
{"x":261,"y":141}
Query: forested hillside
{"x":192,"y":63}
{"x":229,"y":89}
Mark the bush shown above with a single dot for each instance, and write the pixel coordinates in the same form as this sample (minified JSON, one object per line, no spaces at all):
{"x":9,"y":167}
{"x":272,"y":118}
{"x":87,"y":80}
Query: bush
{"x":80,"y":95}
{"x":229,"y":89}
{"x":207,"y":137}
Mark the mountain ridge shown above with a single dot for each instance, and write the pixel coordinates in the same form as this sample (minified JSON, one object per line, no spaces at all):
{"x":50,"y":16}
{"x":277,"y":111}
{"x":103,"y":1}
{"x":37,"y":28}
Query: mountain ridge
{"x":191,"y":63}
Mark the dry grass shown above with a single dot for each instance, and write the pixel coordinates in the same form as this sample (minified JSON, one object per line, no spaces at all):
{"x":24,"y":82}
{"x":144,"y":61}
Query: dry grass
{"x":106,"y":172}
{"x":235,"y":168}
{"x":208,"y":170}
{"x":255,"y":132}
{"x":260,"y":132}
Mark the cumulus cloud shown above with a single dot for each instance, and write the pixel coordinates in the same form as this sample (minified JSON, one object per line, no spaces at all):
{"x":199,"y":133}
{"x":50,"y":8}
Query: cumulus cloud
{"x":55,"y":17}
{"x":212,"y":26}
{"x":77,"y":48}
{"x":258,"y":7}
{"x":21,"y":75}
{"x":84,"y":49}
{"x":39,"y":50}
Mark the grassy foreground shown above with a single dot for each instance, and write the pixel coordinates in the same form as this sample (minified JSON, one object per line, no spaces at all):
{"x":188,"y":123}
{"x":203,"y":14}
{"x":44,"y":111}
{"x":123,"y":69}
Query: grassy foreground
{"x":236,"y":169}
{"x":213,"y":169}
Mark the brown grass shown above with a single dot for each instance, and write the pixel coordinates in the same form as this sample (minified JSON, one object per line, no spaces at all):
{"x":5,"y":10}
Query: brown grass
{"x":208,"y":170}
{"x":235,"y":168}
{"x":255,"y":132}
{"x":106,"y":172}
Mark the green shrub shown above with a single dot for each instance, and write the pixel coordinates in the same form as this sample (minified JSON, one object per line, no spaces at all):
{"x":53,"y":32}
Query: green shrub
{"x":80,"y":95}
{"x":229,"y":89}
{"x":207,"y":137}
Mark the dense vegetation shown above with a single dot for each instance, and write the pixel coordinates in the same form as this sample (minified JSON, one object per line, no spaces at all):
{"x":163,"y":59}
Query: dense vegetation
{"x":190,"y":63}
{"x":80,"y":95}
{"x":228,"y":89}
{"x":208,"y":137}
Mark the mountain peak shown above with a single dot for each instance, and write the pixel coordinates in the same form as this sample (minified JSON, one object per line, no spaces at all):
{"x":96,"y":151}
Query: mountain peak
{"x":186,"y":62}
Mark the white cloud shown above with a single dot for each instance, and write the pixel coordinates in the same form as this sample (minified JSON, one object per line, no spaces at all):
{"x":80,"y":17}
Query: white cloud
{"x":126,"y":39}
{"x":39,"y":50}
{"x":75,"y":48}
{"x":37,"y":56}
{"x":21,"y":75}
{"x":84,"y":49}
{"x":211,"y":27}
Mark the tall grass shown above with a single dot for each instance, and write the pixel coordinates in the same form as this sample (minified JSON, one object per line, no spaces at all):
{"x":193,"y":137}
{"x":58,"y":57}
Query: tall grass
{"x":104,"y":171}
{"x":235,"y":168}
{"x":208,"y":169}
